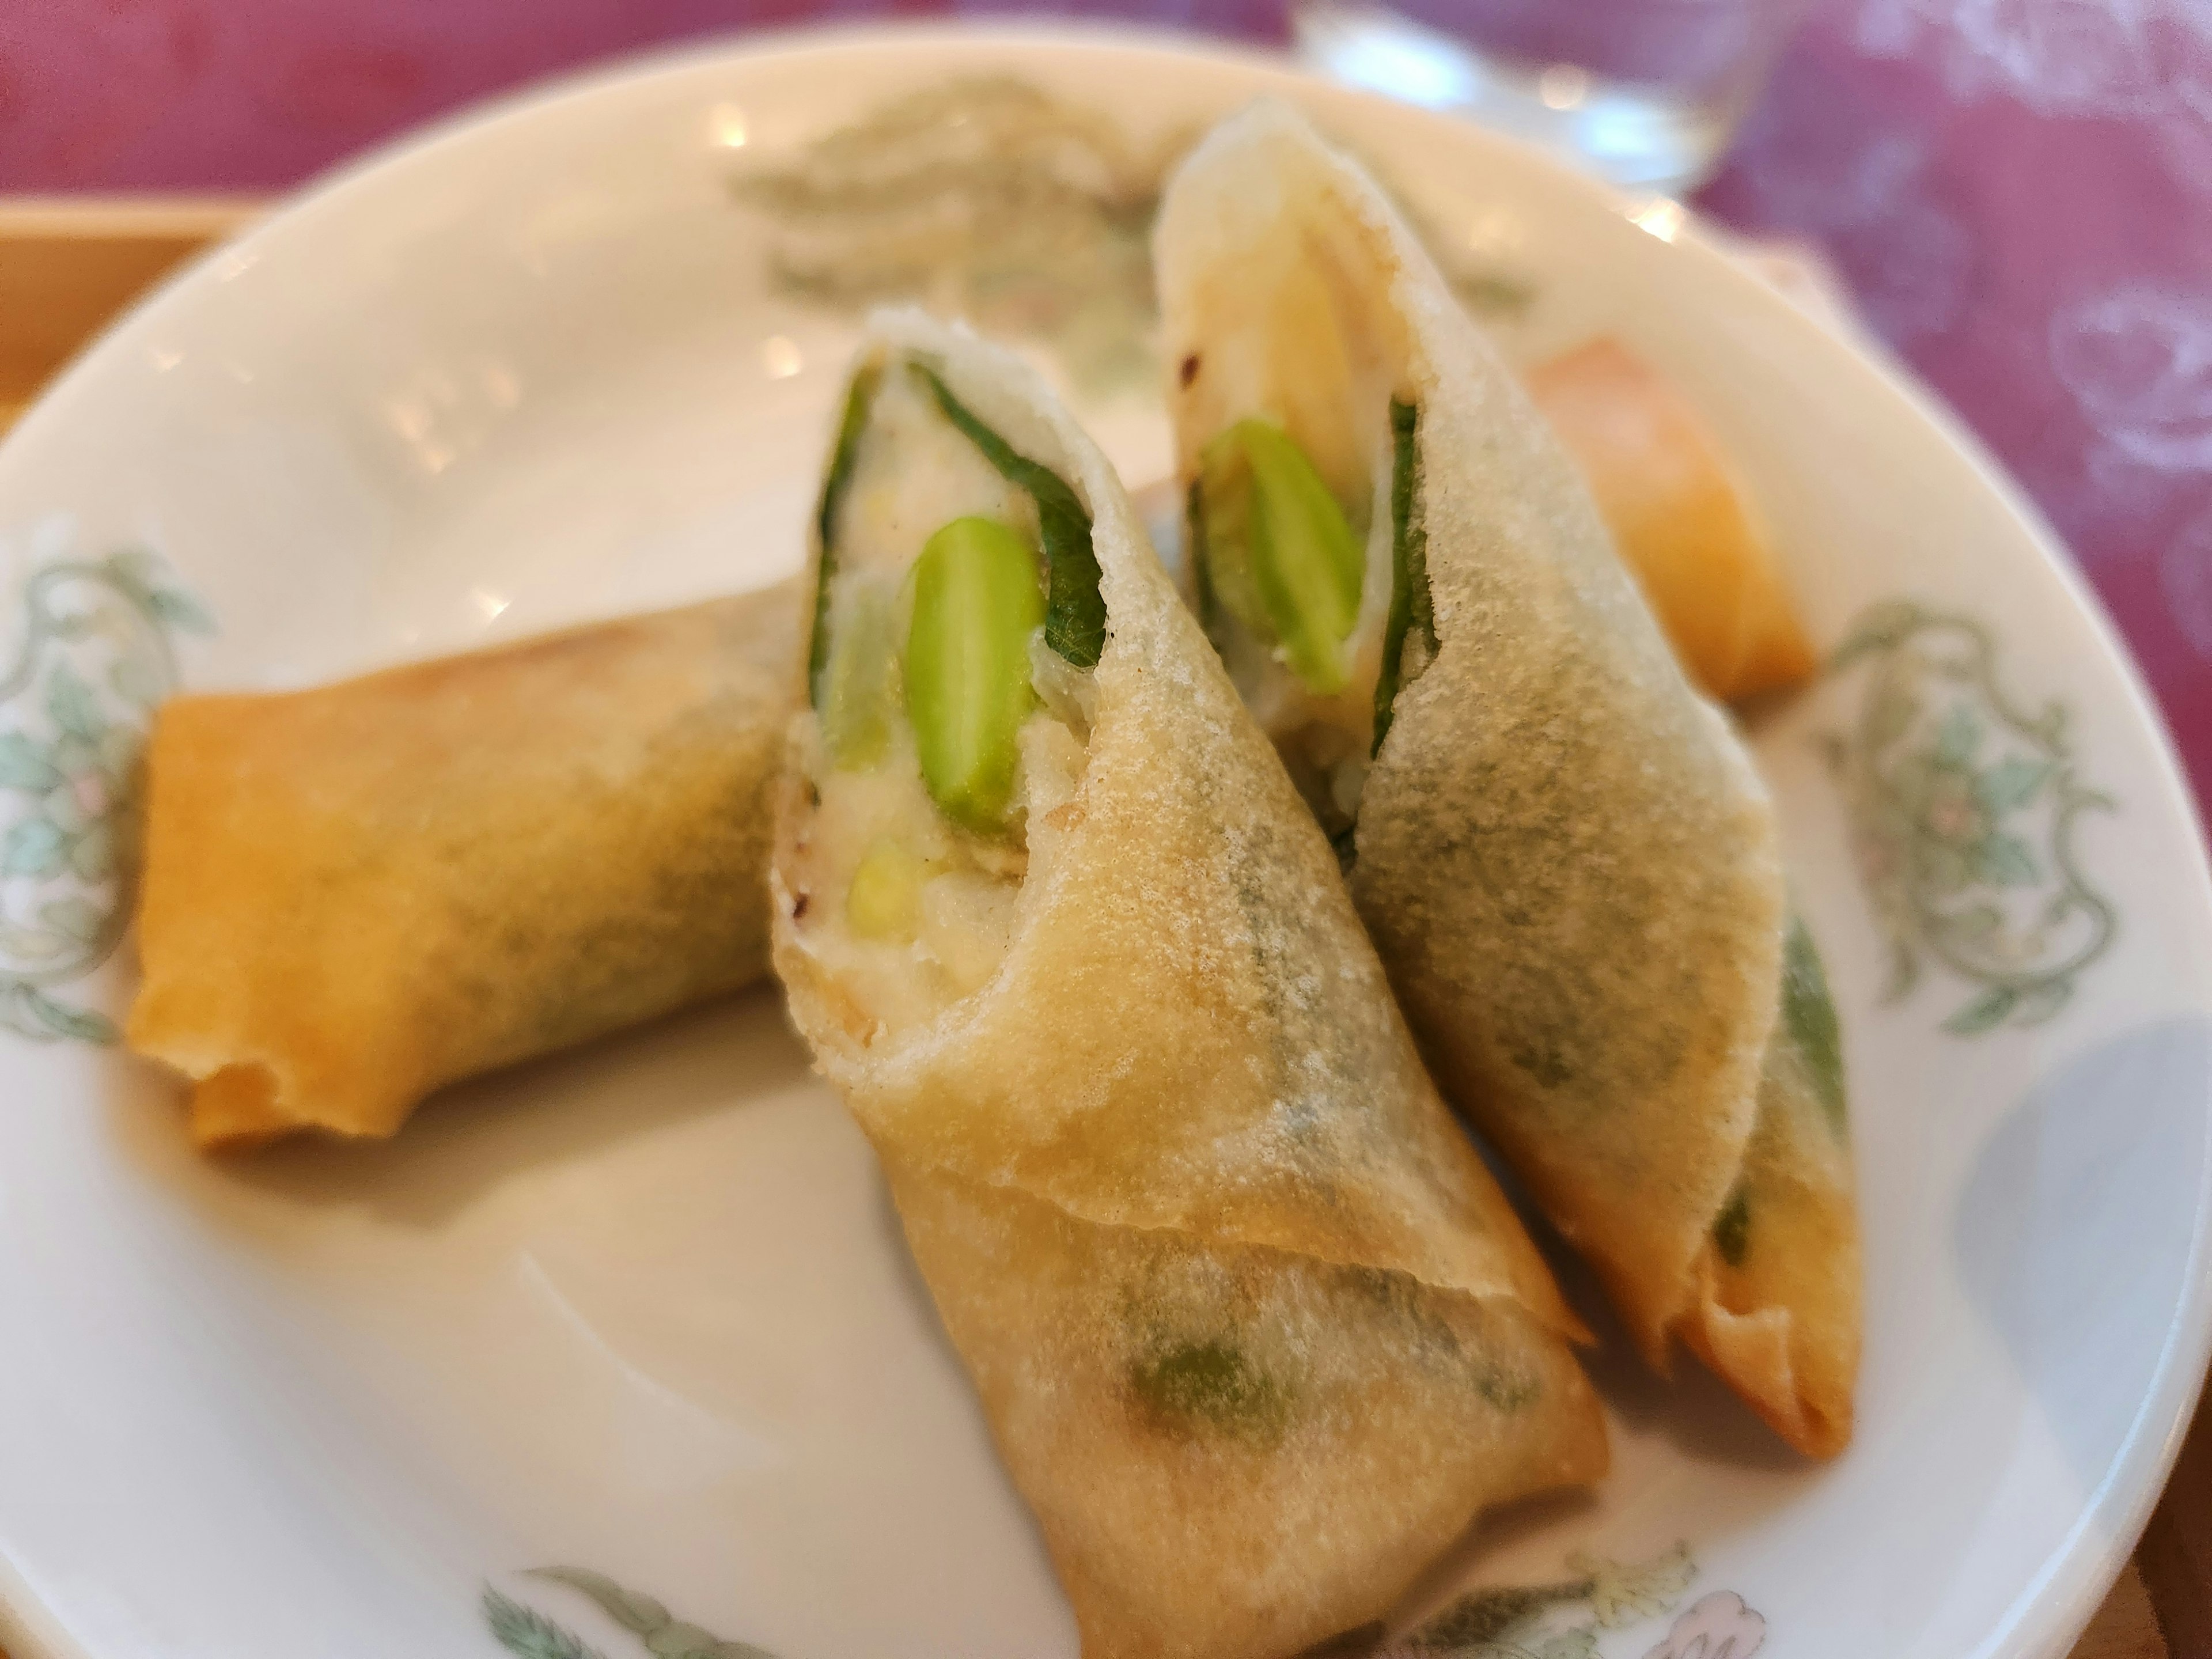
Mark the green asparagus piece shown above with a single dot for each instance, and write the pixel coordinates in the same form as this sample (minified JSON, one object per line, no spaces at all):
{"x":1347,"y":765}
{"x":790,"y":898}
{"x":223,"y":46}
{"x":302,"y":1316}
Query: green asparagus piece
{"x":1280,"y":555}
{"x":976,"y":600}
{"x":1075,"y":616}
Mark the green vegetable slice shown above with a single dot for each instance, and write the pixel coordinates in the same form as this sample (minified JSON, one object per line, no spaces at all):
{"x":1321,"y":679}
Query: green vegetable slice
{"x":1412,"y":610}
{"x":1075,"y":611}
{"x":860,"y":397}
{"x":1279,"y":553}
{"x":975,"y":603}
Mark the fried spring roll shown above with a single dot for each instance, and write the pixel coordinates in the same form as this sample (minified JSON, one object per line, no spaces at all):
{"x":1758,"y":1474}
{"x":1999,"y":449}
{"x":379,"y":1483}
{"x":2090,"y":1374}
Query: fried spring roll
{"x":1682,"y":523}
{"x":356,"y":894}
{"x":1561,"y":849}
{"x":1255,"y":1331}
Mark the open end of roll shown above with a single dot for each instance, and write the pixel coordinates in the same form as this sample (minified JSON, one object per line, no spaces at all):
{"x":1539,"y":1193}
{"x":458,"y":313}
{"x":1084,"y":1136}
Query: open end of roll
{"x":950,"y":700}
{"x":1302,"y":457}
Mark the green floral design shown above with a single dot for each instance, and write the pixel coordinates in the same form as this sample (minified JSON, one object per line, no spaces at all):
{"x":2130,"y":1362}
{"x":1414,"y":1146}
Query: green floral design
{"x":1964,"y":808}
{"x":1560,"y":1620}
{"x":988,"y":198}
{"x":522,"y":1630}
{"x":96,"y":657}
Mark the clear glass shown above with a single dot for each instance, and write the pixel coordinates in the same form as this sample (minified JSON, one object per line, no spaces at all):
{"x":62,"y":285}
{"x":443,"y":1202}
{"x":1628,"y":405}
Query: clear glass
{"x":1646,"y":93}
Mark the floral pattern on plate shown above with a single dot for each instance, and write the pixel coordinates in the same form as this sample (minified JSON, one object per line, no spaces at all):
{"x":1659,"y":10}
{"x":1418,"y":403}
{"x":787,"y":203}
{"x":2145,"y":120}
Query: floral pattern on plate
{"x":987,"y":198}
{"x":94,"y":657}
{"x":1568,"y":1619}
{"x":522,"y":1630}
{"x":1565,"y":1619}
{"x":1964,"y":806}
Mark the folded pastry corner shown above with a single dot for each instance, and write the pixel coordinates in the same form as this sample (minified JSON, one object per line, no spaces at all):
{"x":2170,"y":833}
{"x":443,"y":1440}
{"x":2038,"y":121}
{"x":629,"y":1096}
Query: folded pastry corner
{"x":1257,"y":1332}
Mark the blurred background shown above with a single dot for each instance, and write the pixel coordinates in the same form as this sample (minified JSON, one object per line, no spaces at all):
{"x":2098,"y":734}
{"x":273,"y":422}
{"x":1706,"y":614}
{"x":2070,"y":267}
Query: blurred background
{"x":2016,"y":195}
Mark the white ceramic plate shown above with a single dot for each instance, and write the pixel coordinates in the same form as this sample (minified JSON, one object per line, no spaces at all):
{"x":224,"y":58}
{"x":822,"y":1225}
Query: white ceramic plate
{"x":642,"y":1311}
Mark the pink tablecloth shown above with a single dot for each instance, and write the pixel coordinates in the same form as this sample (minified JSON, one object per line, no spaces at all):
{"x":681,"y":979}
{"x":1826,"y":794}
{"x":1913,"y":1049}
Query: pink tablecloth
{"x":2018,"y":191}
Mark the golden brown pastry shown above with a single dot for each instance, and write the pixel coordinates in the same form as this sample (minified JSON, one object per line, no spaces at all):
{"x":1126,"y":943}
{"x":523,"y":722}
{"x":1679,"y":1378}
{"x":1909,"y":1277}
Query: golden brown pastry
{"x":356,"y":894}
{"x":1678,"y":518}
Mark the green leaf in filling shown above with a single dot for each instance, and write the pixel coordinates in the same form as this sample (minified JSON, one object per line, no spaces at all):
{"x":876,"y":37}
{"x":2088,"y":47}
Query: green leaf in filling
{"x":1412,"y":612}
{"x":1279,"y":554}
{"x":975,"y":604}
{"x":1808,"y":1016}
{"x":1075,"y":611}
{"x":860,"y":397}
{"x":1211,"y":1384}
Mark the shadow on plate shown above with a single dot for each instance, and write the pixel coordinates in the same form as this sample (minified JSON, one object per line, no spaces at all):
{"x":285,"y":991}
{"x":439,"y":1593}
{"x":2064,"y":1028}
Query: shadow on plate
{"x":1692,"y":1409}
{"x":1495,"y":1532}
{"x":467,"y":1140}
{"x":2075,"y":1231}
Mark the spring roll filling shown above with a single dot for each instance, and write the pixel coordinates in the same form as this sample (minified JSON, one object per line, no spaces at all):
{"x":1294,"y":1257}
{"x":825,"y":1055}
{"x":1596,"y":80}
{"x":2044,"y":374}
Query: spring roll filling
{"x":1307,"y":552}
{"x":957,"y":618}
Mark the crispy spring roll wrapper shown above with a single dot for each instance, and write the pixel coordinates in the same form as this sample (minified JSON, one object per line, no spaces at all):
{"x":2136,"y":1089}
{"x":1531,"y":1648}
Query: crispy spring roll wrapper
{"x":1563,"y":851}
{"x":1255,"y":1331}
{"x":1778,"y":1303}
{"x":1680,"y":519}
{"x":356,"y":894}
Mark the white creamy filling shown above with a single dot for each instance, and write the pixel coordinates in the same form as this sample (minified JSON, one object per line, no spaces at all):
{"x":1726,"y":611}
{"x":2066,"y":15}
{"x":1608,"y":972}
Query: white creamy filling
{"x":1307,"y":335}
{"x":915,"y":472}
{"x":904,"y":911}
{"x":901,"y":963}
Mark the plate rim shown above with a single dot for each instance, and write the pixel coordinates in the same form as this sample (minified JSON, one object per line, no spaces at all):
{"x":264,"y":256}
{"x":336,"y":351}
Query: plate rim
{"x":2050,"y":1612}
